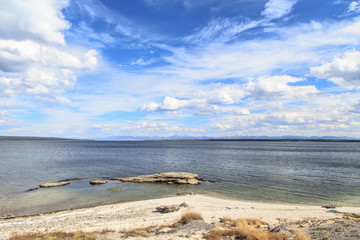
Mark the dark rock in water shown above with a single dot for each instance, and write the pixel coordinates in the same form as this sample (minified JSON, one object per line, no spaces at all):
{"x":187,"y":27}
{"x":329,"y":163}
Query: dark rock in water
{"x":32,"y":189}
{"x":168,"y":177}
{"x":97,"y":182}
{"x":184,"y":204}
{"x":72,"y":179}
{"x":212,"y":181}
{"x":202,"y":179}
{"x":53,"y":184}
{"x":331,"y":206}
{"x":168,"y":208}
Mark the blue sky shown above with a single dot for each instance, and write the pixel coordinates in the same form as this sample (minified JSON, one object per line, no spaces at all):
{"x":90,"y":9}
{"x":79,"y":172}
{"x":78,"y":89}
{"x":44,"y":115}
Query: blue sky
{"x":100,"y":68}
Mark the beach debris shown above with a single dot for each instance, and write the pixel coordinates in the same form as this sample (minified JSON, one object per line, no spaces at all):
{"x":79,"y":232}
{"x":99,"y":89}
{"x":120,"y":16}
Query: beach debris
{"x":184,"y":204}
{"x":97,"y":182}
{"x":168,"y":177}
{"x":331,"y":206}
{"x":168,"y":208}
{"x":53,"y":184}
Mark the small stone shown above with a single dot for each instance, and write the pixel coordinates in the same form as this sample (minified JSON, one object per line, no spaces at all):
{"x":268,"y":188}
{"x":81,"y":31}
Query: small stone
{"x":276,"y":229}
{"x":184,"y":205}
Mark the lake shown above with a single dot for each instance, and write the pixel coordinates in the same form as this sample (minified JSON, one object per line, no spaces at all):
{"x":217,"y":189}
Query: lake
{"x":266,"y":171}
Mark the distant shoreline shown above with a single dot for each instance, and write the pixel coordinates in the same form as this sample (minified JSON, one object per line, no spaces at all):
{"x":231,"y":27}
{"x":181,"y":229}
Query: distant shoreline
{"x":186,"y":139}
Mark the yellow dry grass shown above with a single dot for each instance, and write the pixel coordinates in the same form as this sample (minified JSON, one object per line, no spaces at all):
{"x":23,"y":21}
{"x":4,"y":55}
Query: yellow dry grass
{"x":79,"y":235}
{"x":244,"y":229}
{"x":190,"y":216}
{"x":300,"y":235}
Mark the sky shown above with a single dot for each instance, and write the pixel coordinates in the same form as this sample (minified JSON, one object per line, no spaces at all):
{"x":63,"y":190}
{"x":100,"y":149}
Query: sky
{"x":159,"y":68}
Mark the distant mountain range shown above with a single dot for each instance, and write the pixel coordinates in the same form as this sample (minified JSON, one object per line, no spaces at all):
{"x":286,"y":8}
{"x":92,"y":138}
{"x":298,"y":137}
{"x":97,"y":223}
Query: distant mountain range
{"x":231,"y":138}
{"x":189,"y":138}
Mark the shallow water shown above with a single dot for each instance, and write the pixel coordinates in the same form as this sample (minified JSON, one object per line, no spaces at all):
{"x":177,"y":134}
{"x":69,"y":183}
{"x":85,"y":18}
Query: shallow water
{"x":286,"y":172}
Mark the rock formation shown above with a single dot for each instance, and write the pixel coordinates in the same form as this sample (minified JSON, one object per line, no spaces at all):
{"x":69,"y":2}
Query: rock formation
{"x":97,"y":182}
{"x":54,"y":184}
{"x":168,"y":177}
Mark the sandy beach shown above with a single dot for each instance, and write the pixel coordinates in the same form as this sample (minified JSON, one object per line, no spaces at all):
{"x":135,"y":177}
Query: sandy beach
{"x":140,"y":214}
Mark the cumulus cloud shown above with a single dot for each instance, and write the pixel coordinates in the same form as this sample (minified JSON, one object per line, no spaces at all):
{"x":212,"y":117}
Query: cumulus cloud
{"x":39,"y":20}
{"x":343,"y":71}
{"x":33,"y":58}
{"x":203,"y":102}
{"x":15,"y":56}
{"x":277,"y":87}
{"x":278,"y":8}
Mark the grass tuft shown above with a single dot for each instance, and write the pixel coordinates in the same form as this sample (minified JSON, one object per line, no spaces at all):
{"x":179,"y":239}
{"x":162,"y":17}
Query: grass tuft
{"x":190,"y":216}
{"x":78,"y":235}
{"x":244,"y":229}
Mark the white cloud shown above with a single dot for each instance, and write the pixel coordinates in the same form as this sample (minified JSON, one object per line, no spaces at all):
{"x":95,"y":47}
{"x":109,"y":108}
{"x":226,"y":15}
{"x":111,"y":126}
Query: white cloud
{"x":221,"y":30}
{"x":277,"y":87}
{"x":278,"y":8}
{"x":34,"y":58}
{"x":344,"y":71}
{"x":53,"y":101}
{"x":204,"y":102}
{"x":141,"y":128}
{"x":15,"y":56}
{"x":39,"y":20}
{"x":354,"y":6}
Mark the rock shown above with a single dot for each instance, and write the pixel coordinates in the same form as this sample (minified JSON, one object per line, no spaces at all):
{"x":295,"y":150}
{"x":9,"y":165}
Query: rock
{"x":97,"y":182}
{"x":184,"y":205}
{"x":31,"y":189}
{"x":53,"y":184}
{"x":8,"y":217}
{"x":202,"y":179}
{"x":165,"y":230}
{"x":331,"y":206}
{"x":168,"y":208}
{"x":276,"y":229}
{"x":212,"y":181}
{"x":168,"y":177}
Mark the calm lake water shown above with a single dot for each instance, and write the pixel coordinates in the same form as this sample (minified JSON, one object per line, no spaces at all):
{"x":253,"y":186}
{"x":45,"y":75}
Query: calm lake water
{"x":285,"y":172}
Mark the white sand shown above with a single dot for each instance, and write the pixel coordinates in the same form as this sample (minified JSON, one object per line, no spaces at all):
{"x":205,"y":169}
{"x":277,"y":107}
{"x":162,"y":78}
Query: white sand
{"x":127,"y":216}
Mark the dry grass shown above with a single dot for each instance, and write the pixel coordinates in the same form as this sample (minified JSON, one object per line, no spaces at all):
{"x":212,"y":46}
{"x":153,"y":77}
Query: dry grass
{"x":352,"y":215}
{"x":300,"y":235}
{"x":79,"y":235}
{"x":244,"y":229}
{"x":142,"y":232}
{"x":190,"y":216}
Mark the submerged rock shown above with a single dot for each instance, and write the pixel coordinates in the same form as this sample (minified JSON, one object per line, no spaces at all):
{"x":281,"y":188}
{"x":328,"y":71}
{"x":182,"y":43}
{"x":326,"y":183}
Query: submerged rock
{"x":168,"y":177}
{"x":97,"y":182}
{"x":53,"y":184}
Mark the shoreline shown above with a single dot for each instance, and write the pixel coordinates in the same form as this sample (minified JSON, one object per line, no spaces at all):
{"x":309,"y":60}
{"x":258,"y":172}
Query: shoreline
{"x":139,"y":214}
